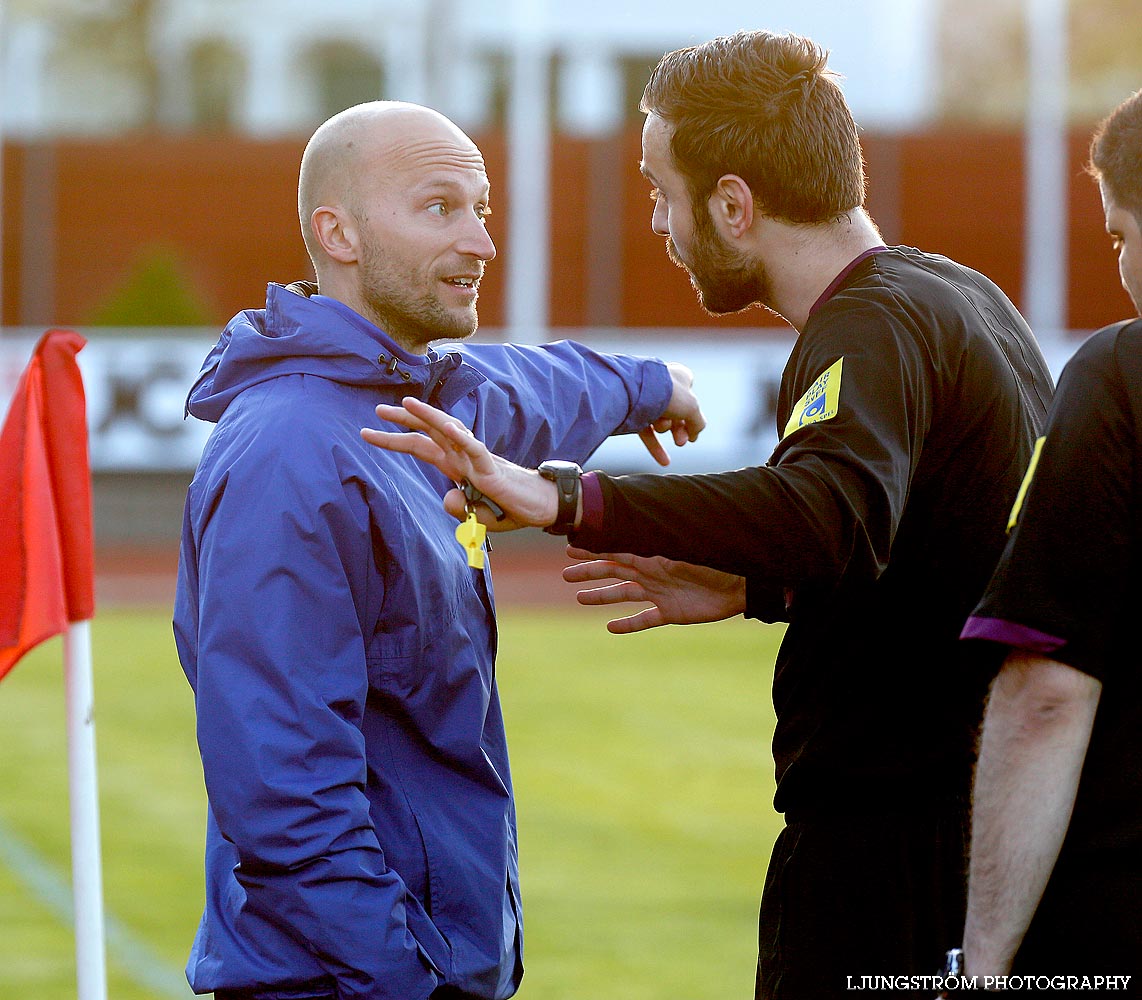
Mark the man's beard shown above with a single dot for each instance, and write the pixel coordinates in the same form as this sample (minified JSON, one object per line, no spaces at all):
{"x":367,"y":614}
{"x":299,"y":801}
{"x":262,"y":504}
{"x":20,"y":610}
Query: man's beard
{"x":412,"y":320}
{"x":724,"y":281}
{"x":416,"y":324}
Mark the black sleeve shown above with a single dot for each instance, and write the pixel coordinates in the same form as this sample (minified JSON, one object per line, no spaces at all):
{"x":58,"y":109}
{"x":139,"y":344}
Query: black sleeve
{"x":830,"y":499}
{"x":1067,"y":566}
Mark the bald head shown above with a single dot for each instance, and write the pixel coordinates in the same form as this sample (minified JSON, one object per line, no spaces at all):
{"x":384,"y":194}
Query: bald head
{"x":380,"y":143}
{"x":393,"y":200}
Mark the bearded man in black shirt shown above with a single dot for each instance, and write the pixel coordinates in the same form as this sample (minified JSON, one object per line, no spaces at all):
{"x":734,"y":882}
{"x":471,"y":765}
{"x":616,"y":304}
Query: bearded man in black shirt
{"x":907,"y":413}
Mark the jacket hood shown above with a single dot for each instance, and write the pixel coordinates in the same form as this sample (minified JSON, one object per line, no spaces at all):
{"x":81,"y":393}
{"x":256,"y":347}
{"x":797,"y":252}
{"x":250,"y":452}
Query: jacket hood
{"x":299,"y":335}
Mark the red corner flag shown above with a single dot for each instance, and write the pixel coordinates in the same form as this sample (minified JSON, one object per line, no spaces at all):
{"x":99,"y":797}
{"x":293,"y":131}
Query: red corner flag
{"x":46,"y":550}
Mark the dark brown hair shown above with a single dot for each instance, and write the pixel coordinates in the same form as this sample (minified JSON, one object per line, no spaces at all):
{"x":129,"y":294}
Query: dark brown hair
{"x":1116,"y":155}
{"x":762,"y":106}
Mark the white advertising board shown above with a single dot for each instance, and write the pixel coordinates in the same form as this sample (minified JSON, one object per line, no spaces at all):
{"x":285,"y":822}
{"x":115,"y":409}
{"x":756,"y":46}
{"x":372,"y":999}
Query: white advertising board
{"x":136,"y":388}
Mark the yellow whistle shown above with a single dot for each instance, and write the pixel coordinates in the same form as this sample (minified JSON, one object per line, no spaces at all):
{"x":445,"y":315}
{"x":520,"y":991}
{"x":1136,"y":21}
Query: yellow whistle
{"x":470,"y":534}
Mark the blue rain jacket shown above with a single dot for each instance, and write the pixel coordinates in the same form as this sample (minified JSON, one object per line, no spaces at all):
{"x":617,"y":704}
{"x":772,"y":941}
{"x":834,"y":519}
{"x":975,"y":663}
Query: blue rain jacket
{"x":361,"y":836}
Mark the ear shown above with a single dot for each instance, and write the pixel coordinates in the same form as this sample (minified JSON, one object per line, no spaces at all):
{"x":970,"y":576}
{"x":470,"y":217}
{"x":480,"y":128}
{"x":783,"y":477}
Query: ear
{"x":336,"y":233}
{"x":731,"y":206}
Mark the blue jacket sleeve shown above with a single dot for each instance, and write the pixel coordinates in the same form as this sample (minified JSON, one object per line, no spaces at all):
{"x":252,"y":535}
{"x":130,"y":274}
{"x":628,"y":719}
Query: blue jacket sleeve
{"x":561,"y":400}
{"x":281,"y":685}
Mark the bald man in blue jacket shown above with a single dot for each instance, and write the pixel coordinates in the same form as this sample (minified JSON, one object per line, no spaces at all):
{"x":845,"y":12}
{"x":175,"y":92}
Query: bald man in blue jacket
{"x":361,"y":838}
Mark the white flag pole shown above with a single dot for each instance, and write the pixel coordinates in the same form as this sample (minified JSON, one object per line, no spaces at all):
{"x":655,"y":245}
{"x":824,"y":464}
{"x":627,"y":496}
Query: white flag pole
{"x":86,"y":857}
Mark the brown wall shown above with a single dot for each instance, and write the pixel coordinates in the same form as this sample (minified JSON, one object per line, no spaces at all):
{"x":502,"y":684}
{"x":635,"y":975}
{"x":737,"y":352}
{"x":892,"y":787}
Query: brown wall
{"x":79,"y":216}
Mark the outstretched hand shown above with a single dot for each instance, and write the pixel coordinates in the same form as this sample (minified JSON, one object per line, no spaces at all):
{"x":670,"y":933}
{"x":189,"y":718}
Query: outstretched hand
{"x":526,"y":498}
{"x":679,"y":593}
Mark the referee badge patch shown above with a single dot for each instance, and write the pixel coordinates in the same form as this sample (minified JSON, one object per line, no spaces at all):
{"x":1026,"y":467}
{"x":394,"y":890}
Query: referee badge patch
{"x":820,"y":402}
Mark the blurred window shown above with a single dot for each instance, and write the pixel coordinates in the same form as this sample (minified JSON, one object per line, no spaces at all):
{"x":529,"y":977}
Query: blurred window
{"x":345,"y":75}
{"x":636,"y":73}
{"x":499,"y":69}
{"x":499,"y":87}
{"x":217,"y":75}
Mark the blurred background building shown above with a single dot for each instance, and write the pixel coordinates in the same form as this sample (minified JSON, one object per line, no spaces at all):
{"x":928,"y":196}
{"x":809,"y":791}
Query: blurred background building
{"x":150,"y":146}
{"x":87,"y":67}
{"x":150,"y":152}
{"x":103,"y":67}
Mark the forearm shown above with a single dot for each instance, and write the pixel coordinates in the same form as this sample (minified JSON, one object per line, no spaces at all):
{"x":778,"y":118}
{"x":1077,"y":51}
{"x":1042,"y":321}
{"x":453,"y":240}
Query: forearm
{"x":353,"y":915}
{"x":776,"y":528}
{"x":298,"y":839}
{"x":1035,"y":734}
{"x":562,"y":400}
{"x":309,"y":862}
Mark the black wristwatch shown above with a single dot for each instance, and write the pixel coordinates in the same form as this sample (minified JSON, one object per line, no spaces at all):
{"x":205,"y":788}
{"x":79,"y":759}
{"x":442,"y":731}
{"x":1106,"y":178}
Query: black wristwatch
{"x":567,"y":477}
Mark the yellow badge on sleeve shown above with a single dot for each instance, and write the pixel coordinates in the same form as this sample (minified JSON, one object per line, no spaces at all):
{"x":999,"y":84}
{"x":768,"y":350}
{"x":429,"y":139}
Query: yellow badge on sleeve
{"x":820,"y":402}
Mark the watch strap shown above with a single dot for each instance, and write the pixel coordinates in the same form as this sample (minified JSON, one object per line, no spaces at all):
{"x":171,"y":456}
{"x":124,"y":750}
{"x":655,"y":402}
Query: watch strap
{"x":567,"y":477}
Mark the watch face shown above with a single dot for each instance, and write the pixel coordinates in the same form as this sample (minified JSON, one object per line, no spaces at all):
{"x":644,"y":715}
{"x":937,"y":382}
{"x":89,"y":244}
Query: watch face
{"x":558,"y":468}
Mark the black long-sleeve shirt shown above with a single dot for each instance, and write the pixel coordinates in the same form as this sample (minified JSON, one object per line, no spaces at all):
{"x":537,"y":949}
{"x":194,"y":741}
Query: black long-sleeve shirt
{"x":908,"y":411}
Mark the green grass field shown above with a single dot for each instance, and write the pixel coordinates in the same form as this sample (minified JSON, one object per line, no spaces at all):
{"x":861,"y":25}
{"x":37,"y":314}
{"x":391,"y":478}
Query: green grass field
{"x":643,"y":782}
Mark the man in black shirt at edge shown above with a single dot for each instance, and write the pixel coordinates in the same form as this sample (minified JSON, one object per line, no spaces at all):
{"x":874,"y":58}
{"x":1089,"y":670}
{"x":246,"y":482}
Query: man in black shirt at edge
{"x":1055,"y":891}
{"x":907,"y":414}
